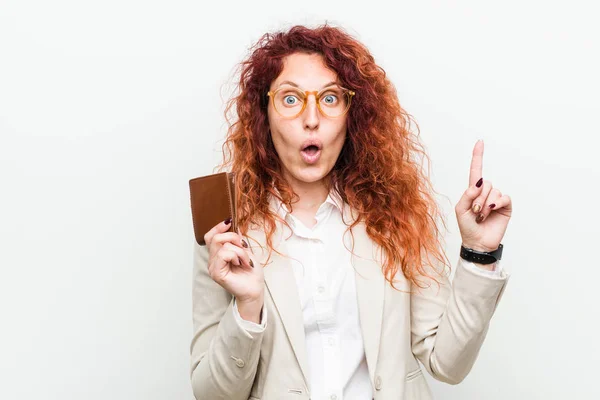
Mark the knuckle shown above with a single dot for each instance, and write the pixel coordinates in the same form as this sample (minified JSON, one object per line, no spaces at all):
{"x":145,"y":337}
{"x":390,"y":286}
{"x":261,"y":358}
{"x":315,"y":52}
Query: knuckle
{"x":222,"y":253}
{"x":229,"y":246}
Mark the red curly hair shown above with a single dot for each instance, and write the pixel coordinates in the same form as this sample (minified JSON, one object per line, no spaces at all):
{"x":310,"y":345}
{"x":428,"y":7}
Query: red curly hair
{"x":377,"y":172}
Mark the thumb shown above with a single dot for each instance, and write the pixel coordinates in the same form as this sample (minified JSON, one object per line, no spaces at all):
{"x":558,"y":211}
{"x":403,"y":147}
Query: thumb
{"x":466,"y":201}
{"x":221,"y":227}
{"x":224,"y":226}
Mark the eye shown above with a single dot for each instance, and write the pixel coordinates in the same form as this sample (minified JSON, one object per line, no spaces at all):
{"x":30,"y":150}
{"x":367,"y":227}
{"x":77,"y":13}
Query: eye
{"x":290,"y":100}
{"x":329,"y":98}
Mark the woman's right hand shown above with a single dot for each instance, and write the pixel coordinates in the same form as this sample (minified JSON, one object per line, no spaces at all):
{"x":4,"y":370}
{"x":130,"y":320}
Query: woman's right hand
{"x":230,"y":265}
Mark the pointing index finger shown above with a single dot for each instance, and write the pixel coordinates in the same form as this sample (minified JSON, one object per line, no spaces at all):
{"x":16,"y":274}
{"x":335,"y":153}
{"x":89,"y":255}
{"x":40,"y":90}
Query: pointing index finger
{"x":476,"y":170}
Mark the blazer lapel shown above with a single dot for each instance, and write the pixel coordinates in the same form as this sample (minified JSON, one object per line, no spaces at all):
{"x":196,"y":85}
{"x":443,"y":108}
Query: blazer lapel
{"x":370,"y":289}
{"x":281,"y":284}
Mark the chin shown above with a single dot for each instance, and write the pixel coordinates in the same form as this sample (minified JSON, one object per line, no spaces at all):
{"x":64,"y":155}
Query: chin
{"x":310,"y":174}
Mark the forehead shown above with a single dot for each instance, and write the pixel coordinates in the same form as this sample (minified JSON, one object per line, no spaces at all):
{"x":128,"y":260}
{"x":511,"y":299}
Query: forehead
{"x":308,"y":71}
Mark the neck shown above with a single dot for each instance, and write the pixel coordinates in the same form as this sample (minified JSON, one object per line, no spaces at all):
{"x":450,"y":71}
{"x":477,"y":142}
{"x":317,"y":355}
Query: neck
{"x":311,"y":194}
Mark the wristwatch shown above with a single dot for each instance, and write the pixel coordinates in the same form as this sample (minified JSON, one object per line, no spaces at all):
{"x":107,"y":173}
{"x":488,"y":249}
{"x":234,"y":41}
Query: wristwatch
{"x":481,"y":257}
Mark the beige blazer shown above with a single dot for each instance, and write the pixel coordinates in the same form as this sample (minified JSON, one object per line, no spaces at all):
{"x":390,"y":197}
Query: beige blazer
{"x":442,"y":327}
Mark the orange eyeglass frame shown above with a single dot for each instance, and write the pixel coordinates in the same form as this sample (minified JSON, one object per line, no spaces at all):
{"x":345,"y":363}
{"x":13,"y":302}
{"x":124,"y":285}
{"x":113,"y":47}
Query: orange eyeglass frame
{"x":317,"y":94}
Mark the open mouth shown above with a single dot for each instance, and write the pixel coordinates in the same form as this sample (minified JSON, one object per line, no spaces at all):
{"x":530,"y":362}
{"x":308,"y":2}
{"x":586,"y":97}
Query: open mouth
{"x":311,"y":150}
{"x":311,"y":154}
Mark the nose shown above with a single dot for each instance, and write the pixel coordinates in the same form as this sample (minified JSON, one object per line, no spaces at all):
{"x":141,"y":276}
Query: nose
{"x":311,"y":113}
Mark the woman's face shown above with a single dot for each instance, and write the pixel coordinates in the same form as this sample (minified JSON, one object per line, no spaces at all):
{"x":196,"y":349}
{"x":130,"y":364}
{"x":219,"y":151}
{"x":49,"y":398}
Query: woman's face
{"x":290,"y":136}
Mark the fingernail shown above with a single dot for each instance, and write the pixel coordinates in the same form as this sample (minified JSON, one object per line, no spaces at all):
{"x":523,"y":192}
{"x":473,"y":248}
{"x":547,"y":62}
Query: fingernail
{"x":476,"y":208}
{"x":251,"y":264}
{"x":227,"y":221}
{"x":479,"y":182}
{"x":240,"y":260}
{"x":479,"y":218}
{"x":492,"y":205}
{"x":244,"y":243}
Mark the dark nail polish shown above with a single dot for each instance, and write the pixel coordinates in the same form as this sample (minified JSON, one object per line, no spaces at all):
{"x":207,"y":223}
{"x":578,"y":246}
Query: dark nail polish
{"x":227,"y":221}
{"x":251,"y":264}
{"x":479,"y":218}
{"x":479,"y":182}
{"x":244,"y":243}
{"x":492,"y":205}
{"x":240,"y":261}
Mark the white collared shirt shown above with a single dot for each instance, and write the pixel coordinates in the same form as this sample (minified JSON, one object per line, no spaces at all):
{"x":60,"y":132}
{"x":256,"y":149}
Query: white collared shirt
{"x":326,"y":287}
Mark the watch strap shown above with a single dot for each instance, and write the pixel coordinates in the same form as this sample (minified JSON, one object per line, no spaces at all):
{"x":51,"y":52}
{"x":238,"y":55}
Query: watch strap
{"x":481,"y":257}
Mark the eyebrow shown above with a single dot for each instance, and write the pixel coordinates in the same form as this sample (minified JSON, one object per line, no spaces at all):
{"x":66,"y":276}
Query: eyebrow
{"x":296,"y":85}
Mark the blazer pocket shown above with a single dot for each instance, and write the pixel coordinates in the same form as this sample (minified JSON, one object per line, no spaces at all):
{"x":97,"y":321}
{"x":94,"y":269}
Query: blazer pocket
{"x":414,"y":374}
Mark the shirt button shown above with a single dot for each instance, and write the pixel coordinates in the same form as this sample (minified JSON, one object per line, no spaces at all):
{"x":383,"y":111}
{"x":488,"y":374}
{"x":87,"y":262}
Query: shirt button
{"x":333,"y":397}
{"x":321,"y":289}
{"x":378,"y":382}
{"x":240,"y":363}
{"x":331,"y":341}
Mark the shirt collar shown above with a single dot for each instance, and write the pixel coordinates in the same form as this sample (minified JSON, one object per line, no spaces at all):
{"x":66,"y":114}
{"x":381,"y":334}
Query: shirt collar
{"x":333,"y":198}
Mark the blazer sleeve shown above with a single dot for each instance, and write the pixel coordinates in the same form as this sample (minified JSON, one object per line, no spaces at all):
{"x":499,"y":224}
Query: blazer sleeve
{"x":224,"y":355}
{"x":449,"y":322}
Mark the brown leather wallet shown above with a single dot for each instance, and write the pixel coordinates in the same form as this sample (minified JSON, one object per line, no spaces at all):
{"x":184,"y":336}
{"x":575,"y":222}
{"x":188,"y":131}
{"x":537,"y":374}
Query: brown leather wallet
{"x":213,"y":200}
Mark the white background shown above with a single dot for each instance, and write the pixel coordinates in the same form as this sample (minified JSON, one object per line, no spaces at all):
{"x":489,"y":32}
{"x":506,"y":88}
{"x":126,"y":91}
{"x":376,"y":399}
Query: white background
{"x":108,"y":108}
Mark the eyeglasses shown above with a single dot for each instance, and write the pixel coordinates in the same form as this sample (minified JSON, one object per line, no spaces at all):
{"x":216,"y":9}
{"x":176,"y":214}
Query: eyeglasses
{"x":290,"y":102}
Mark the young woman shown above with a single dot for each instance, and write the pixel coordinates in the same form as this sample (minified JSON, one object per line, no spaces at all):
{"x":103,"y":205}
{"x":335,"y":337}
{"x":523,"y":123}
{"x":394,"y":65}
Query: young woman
{"x":335,"y":284}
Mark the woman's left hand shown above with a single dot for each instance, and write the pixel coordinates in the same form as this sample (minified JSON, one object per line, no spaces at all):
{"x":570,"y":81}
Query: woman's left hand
{"x":482,"y":211}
